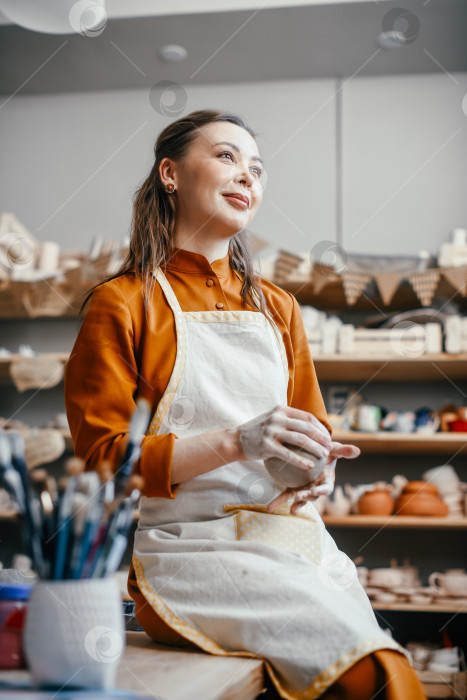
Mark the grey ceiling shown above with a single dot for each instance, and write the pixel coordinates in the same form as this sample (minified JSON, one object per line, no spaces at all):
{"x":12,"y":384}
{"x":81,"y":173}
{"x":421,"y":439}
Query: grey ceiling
{"x":315,"y":41}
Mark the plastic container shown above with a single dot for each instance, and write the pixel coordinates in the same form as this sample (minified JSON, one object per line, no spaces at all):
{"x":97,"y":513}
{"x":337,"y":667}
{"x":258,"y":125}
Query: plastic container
{"x":13,"y":604}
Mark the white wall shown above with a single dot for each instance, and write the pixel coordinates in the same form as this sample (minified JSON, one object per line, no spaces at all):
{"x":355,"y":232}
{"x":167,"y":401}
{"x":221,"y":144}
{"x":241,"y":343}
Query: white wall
{"x":71,"y":162}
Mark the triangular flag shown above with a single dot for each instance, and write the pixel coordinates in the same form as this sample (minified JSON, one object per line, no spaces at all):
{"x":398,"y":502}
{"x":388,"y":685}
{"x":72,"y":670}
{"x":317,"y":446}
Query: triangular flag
{"x":354,"y":282}
{"x":387,"y":283}
{"x":321,"y":275}
{"x":424,"y":285}
{"x":457,"y":278}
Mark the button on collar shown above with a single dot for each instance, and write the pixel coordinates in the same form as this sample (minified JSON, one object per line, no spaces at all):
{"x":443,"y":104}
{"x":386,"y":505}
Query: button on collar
{"x":209,"y":282}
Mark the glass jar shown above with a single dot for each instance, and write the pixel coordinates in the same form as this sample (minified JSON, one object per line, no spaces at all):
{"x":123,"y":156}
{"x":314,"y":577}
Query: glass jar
{"x":13,"y":604}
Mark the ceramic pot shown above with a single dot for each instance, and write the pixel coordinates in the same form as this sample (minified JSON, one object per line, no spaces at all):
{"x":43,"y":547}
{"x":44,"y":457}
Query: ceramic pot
{"x":74,"y":633}
{"x":376,"y":502}
{"x":421,"y":498}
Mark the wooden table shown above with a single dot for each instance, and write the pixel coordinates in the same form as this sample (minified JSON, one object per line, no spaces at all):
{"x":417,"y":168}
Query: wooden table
{"x":163,"y":673}
{"x":168,"y":674}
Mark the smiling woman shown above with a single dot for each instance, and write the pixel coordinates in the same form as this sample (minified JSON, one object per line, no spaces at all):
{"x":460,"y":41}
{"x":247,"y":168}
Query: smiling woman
{"x":225,"y":560}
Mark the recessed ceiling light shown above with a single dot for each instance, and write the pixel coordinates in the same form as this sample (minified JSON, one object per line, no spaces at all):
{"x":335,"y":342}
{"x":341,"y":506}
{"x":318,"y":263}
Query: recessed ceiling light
{"x":391,"y":40}
{"x":173,"y":53}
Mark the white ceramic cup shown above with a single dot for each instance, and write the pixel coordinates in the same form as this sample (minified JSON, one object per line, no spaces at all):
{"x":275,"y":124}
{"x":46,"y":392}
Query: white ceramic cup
{"x":453,"y":582}
{"x":74,"y":634}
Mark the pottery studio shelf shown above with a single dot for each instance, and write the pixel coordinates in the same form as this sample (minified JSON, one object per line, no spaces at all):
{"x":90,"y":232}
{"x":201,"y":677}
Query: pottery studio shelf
{"x":392,"y":368}
{"x":402,"y":522}
{"x":347,"y":368}
{"x":403,"y":443}
{"x":426,"y":607}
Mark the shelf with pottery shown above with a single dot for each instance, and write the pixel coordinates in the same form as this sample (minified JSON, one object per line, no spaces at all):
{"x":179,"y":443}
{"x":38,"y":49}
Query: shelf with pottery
{"x":345,"y":368}
{"x":388,"y":442}
{"x":408,"y":522}
{"x":390,"y":368}
{"x":426,"y":607}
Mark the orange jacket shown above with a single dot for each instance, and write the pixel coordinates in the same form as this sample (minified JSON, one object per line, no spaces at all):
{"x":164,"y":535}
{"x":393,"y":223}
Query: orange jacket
{"x":124,"y":352}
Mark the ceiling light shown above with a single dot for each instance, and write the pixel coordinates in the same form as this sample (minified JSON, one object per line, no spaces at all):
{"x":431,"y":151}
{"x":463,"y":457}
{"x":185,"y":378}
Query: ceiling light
{"x":173,"y":53}
{"x":391,"y":40}
{"x":87,"y":17}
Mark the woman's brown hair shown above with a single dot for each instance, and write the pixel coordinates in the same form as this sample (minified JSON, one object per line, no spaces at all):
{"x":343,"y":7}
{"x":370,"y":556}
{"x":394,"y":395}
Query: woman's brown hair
{"x":154,"y":209}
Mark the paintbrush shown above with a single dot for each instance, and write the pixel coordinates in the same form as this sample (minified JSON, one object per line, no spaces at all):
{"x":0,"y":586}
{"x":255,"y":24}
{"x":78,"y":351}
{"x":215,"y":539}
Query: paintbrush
{"x":138,"y":425}
{"x":16,"y":479}
{"x":98,"y":526}
{"x":117,"y":535}
{"x":74,"y":467}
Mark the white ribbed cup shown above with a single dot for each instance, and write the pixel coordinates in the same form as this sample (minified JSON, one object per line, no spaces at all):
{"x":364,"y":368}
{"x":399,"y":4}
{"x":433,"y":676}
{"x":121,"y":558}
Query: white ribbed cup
{"x":74,"y":634}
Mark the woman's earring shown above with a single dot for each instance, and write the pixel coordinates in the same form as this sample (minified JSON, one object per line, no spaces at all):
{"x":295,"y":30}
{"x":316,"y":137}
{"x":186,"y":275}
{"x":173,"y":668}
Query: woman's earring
{"x":170,"y":187}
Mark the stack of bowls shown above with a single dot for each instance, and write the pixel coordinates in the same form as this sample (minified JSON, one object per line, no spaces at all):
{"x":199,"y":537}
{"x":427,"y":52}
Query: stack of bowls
{"x":449,"y":487}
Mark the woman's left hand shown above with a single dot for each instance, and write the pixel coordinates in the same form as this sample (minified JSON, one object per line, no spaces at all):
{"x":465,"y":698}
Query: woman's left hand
{"x":322,"y":486}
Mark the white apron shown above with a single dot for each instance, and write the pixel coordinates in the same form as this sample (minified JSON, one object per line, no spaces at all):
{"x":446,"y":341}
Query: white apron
{"x":211,"y":562}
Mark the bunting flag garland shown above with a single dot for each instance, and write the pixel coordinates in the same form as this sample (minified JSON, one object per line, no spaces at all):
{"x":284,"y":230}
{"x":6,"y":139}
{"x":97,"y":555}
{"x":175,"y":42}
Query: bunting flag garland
{"x":354,"y":282}
{"x":285,"y":264}
{"x":387,"y":284}
{"x":424,"y":285}
{"x":457,"y":278}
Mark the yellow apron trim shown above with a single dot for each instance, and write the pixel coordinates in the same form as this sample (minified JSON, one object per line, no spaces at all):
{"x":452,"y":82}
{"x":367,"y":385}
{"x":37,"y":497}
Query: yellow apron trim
{"x":319,"y":685}
{"x":299,"y":535}
{"x":180,"y":359}
{"x":224,"y":316}
{"x":334,"y":672}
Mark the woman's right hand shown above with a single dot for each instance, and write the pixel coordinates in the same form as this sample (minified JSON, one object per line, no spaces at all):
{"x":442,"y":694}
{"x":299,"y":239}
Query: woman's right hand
{"x":264,"y":436}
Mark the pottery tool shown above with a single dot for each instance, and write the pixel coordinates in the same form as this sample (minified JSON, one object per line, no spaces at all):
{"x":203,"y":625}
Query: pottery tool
{"x":74,"y":467}
{"x":138,"y":425}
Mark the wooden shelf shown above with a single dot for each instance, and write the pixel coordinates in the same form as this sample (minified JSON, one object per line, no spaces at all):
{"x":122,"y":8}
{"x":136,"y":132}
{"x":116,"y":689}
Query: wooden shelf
{"x":406,"y":522}
{"x":6,"y":362}
{"x":348,"y":368}
{"x":392,"y":368}
{"x":402,"y":443}
{"x":427,"y":607}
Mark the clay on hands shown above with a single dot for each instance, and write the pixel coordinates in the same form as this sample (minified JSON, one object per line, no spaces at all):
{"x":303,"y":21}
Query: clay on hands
{"x":324,"y":484}
{"x":263,"y":437}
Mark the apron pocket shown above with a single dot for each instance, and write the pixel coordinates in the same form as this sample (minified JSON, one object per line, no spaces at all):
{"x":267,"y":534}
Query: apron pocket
{"x":287,"y":532}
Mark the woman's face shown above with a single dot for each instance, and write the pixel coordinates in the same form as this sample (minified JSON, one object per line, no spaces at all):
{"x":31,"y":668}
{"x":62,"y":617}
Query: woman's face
{"x":221,"y":162}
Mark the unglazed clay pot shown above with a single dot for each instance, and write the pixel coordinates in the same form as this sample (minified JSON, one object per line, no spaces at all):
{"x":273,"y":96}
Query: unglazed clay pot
{"x":376,"y":502}
{"x":289,"y":476}
{"x":421,"y":498}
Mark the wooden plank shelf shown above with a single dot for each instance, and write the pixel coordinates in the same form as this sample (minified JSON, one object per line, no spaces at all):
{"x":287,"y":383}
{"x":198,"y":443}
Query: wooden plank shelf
{"x":403,"y":522}
{"x":392,"y":368}
{"x":427,"y":607}
{"x":388,"y":442}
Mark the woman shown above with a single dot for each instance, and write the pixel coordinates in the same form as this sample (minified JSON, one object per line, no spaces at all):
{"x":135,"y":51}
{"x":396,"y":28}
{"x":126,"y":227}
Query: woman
{"x":219,"y":562}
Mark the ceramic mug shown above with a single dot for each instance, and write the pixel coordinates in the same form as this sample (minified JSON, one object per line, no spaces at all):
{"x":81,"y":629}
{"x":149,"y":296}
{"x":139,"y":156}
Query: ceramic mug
{"x":452,"y":582}
{"x":369,"y":418}
{"x":74,"y":634}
